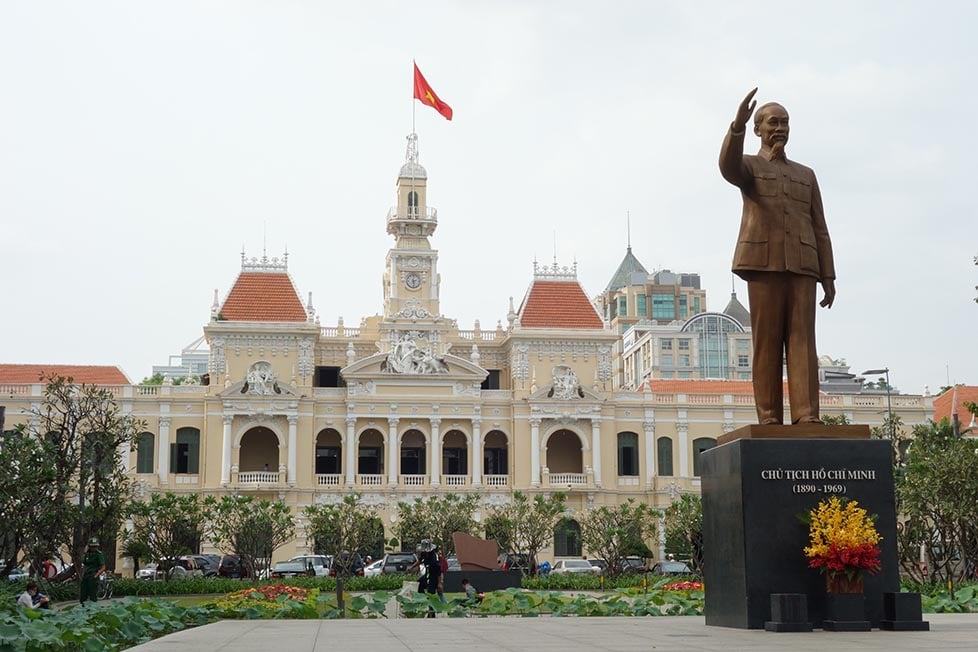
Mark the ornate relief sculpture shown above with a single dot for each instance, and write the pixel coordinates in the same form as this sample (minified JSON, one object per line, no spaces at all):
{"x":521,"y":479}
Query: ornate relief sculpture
{"x":406,"y":357}
{"x":565,"y":384}
{"x":261,"y":380}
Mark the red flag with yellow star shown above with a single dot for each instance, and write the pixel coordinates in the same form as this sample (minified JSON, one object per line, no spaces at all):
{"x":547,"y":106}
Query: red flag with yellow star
{"x":424,"y":92}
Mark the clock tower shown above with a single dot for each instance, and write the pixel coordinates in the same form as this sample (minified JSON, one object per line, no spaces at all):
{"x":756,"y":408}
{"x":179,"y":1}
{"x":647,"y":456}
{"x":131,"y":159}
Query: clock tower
{"x":411,"y":277}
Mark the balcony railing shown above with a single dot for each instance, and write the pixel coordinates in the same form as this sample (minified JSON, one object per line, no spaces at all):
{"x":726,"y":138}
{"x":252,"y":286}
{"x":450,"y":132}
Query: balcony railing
{"x":413,"y":480}
{"x":624,"y":480}
{"x":568,"y":478}
{"x":336,"y":331}
{"x":329,"y":479}
{"x":260,"y":477}
{"x":496,"y":480}
{"x":455,"y":480}
{"x":413,"y":213}
{"x":370,"y":479}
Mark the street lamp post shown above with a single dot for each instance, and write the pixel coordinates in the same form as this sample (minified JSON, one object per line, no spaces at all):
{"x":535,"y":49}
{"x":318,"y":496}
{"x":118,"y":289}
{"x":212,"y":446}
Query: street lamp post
{"x":889,"y":406}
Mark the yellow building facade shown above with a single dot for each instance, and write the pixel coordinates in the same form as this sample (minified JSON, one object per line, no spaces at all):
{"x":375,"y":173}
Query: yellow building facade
{"x":409,"y":405}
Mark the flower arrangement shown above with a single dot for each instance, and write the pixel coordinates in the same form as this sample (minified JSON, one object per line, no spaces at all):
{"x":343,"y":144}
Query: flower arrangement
{"x":683,"y":586}
{"x":843,"y":538}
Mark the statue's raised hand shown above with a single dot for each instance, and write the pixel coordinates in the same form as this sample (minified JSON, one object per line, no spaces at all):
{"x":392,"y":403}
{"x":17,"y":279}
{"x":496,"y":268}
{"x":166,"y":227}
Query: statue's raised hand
{"x":744,"y":111}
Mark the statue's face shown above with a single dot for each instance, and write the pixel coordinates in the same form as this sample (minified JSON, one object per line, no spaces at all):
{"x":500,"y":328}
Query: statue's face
{"x":773,"y":127}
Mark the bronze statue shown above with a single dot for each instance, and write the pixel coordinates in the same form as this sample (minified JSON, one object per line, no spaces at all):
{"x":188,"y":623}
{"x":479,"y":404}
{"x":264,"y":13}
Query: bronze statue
{"x":783,"y":249}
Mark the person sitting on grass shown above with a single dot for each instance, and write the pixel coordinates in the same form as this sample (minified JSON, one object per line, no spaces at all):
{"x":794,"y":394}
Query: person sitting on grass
{"x":472,"y":595}
{"x":31,"y":599}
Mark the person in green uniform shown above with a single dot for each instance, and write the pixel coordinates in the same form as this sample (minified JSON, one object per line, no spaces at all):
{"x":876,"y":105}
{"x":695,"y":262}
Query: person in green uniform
{"x":93,"y":565}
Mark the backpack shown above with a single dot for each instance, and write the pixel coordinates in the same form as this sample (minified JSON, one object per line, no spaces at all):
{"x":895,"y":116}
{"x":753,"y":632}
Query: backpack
{"x":443,"y":563}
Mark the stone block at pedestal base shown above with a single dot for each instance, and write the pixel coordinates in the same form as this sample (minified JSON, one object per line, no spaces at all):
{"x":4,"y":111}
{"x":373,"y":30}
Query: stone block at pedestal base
{"x":789,"y":613}
{"x":845,"y":612}
{"x":902,"y":613}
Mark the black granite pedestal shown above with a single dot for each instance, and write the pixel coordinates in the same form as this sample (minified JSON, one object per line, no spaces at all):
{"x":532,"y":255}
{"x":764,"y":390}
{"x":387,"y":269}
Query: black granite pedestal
{"x":753,"y":492}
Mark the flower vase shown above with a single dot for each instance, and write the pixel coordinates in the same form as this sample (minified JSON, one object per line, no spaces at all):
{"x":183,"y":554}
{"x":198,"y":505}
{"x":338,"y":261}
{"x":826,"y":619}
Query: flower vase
{"x":843,"y":583}
{"x":845,"y":606}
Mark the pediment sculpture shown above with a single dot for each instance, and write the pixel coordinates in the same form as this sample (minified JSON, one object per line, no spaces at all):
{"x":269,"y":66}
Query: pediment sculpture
{"x":565,"y":384}
{"x":407,"y":357}
{"x":261,"y":380}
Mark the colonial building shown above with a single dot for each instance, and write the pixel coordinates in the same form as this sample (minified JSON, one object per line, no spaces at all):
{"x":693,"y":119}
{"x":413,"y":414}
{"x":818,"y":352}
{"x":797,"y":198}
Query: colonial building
{"x":408,"y":404}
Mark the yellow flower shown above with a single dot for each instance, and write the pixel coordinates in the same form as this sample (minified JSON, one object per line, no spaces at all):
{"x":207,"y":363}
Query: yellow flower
{"x":842,"y":523}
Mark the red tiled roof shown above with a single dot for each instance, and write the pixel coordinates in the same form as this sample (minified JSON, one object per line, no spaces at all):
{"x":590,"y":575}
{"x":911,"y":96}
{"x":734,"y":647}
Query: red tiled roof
{"x":693,"y":386}
{"x":263,"y":296}
{"x":942,"y":404}
{"x":558,"y":304}
{"x":81,"y":374}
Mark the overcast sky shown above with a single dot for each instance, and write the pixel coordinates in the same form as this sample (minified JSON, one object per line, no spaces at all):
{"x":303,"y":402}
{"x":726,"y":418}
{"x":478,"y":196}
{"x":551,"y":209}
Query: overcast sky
{"x":142,"y":145}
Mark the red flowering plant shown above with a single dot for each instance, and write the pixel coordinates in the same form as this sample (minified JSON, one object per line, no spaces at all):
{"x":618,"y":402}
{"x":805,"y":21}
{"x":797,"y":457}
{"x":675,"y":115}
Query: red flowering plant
{"x":843,"y":539}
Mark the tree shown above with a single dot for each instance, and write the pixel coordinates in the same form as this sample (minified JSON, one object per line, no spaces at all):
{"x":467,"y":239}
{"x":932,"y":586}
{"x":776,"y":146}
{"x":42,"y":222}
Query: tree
{"x":684,"y":528}
{"x":436,"y":519}
{"x":835,"y":419}
{"x":613,"y":533}
{"x":528,"y":523}
{"x":25,"y":491}
{"x":937,"y":503}
{"x":167,"y":526}
{"x":347,"y":526}
{"x":250,"y":528}
{"x":894,"y":430}
{"x":75,"y":468}
{"x":498,"y":530}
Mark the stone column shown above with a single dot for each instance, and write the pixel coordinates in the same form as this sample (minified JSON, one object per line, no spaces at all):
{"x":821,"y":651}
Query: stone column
{"x":350,"y":452}
{"x":226,"y":451}
{"x":535,"y":451}
{"x":596,"y":450}
{"x":164,"y":449}
{"x":291,"y":472}
{"x":682,"y":427}
{"x":476,"y":456}
{"x":435,"y":452}
{"x":392,"y":451}
{"x":649,"y":428}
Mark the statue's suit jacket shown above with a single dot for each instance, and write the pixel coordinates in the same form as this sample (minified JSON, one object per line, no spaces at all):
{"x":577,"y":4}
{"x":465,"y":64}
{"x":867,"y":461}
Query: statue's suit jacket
{"x":782,"y":228}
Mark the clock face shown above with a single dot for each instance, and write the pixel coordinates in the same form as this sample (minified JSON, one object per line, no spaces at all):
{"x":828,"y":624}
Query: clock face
{"x":413,"y":281}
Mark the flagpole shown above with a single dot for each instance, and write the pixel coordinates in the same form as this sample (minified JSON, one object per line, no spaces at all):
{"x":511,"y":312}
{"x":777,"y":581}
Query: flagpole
{"x":414,"y":106}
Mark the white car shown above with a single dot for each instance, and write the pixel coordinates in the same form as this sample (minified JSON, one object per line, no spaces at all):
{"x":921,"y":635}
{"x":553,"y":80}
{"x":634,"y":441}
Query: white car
{"x":373,"y":569}
{"x":147,"y":572}
{"x":319,"y":563}
{"x":573,"y":567}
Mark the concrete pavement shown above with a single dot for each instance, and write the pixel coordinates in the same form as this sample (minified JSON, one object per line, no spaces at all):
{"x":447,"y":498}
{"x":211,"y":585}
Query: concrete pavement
{"x":625,"y":634}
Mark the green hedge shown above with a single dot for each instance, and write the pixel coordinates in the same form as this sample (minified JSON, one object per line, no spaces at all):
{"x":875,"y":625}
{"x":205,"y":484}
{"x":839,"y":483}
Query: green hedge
{"x":205,"y":585}
{"x":593,"y":582}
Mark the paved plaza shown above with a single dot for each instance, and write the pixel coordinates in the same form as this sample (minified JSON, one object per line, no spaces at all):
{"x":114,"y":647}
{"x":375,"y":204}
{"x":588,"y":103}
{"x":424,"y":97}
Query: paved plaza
{"x":948,"y":632}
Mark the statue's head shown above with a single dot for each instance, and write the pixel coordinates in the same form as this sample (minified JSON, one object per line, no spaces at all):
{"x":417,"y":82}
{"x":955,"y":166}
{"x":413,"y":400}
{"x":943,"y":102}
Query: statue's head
{"x":771,"y":124}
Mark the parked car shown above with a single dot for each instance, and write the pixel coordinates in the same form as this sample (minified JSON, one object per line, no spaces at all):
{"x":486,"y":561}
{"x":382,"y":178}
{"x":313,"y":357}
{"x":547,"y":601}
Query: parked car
{"x":453,"y":564}
{"x":397,"y":562}
{"x":290,"y":569}
{"x":232,"y":566}
{"x":633,"y":565}
{"x":572,"y":567}
{"x":600,"y":566}
{"x":373,"y":569}
{"x":208,"y":564}
{"x":318,"y":564}
{"x":346,"y":564}
{"x":671,"y":568}
{"x":517,"y":562}
{"x":185,"y":566}
{"x":147,"y":572}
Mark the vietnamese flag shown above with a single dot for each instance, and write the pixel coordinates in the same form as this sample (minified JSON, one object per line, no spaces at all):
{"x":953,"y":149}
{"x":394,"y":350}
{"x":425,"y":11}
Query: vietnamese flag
{"x":424,"y":92}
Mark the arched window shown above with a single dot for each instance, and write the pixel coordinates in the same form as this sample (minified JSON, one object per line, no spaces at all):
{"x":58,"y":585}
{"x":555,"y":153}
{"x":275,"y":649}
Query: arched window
{"x":567,"y":538}
{"x":627,"y":454}
{"x":663,"y":449}
{"x":145,"y":443}
{"x":185,"y":454}
{"x":699,"y":445}
{"x":412,"y":204}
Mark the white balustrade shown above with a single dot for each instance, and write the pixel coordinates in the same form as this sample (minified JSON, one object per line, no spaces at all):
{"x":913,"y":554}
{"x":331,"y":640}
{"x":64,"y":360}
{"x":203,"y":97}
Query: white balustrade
{"x":495,"y":480}
{"x":259,"y":477}
{"x":568,"y":478}
{"x":455,"y":480}
{"x":370,"y":479}
{"x":412,"y":480}
{"x":623,"y":481}
{"x":328,"y":479}
{"x":186,"y":479}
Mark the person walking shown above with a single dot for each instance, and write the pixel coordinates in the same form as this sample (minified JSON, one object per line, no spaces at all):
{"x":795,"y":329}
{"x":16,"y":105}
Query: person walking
{"x":93,"y":565}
